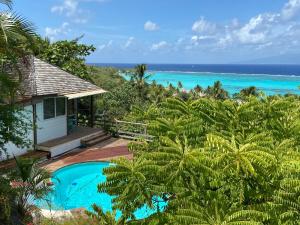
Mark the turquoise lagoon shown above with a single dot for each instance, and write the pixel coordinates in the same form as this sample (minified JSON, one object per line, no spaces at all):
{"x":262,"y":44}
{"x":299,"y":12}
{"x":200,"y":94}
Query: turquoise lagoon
{"x":232,"y":82}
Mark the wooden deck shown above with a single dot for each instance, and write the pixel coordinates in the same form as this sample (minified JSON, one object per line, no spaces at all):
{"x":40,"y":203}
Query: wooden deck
{"x":11,"y":163}
{"x":110,"y":149}
{"x":79,"y":132}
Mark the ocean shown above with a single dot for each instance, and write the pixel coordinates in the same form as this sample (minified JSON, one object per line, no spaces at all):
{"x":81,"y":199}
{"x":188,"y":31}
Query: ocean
{"x":271,"y":79}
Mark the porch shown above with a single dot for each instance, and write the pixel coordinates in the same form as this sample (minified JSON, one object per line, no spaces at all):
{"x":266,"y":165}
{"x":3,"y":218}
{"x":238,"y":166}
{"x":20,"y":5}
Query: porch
{"x":105,"y":151}
{"x":79,"y":137}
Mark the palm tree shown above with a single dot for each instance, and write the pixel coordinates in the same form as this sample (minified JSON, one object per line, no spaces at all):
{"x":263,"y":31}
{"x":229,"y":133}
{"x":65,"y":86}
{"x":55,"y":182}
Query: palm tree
{"x":198,"y":88}
{"x":250,"y":91}
{"x":15,"y":32}
{"x":179,"y":85}
{"x":140,"y":77}
{"x":29,"y":180}
{"x":216,"y":91}
{"x":16,"y":39}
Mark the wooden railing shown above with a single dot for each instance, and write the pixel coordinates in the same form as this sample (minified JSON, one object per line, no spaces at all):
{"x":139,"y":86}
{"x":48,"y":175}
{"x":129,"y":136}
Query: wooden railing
{"x":131,"y":130}
{"x":123,"y":129}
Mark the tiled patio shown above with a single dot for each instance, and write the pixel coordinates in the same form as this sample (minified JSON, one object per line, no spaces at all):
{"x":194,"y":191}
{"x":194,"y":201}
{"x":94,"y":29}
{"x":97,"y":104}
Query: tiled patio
{"x":105,"y":151}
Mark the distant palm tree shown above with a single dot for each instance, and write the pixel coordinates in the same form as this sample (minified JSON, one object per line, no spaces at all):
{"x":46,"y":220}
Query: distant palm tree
{"x":139,"y":77}
{"x":250,"y":91}
{"x":216,"y":91}
{"x":198,"y":88}
{"x":179,"y":85}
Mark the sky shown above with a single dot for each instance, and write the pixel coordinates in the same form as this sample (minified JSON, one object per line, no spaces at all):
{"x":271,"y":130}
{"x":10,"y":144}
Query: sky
{"x":173,"y":31}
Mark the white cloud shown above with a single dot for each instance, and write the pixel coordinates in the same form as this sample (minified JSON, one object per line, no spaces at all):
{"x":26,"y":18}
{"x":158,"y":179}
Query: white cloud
{"x":105,"y":46}
{"x":159,"y":46}
{"x":250,"y":33}
{"x":150,"y":26}
{"x":69,"y":7}
{"x":203,"y":26}
{"x":128,"y":42}
{"x":290,"y":9}
{"x":225,"y":41}
{"x":263,"y":46}
{"x":202,"y":39}
{"x":53,"y":33}
{"x":235,"y":23}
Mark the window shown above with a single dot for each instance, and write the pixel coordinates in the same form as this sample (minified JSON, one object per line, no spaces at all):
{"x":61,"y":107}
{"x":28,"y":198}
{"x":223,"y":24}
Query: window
{"x":60,"y":106}
{"x":49,"y":108}
{"x":54,"y":107}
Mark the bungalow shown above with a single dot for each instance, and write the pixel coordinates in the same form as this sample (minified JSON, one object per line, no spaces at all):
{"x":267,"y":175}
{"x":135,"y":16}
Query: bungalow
{"x":51,"y":104}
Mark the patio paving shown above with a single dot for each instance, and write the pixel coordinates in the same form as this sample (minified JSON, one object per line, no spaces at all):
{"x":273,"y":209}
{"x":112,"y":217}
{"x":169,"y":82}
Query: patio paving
{"x":105,"y":151}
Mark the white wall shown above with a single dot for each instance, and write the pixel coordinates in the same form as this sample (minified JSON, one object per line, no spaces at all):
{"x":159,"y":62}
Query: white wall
{"x":50,"y":128}
{"x":46,"y":130}
{"x":13,"y":149}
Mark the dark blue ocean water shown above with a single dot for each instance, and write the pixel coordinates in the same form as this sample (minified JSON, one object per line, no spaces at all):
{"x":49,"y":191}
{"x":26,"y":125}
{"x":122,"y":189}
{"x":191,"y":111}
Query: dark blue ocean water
{"x":271,"y":79}
{"x":216,"y":68}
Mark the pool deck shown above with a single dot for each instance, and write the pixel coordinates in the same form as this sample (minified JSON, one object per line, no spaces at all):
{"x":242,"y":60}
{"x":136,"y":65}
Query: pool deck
{"x":105,"y":151}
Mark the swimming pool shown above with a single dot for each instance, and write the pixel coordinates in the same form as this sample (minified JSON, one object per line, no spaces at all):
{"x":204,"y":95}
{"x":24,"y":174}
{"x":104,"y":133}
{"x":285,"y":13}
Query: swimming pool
{"x":75,"y":186}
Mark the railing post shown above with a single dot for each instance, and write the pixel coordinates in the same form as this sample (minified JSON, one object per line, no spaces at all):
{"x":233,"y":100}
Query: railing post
{"x":117,"y":127}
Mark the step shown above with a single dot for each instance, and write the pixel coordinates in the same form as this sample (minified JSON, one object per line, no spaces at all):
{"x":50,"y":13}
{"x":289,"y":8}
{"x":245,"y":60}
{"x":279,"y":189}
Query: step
{"x":93,"y":136}
{"x":97,"y":140}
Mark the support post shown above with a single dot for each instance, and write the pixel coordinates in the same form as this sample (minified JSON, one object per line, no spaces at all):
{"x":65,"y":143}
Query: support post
{"x":92,"y":111}
{"x":34,"y":126}
{"x":76,"y":110}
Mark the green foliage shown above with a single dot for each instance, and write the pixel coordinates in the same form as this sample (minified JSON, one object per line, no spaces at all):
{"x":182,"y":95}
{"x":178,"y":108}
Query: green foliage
{"x":223,"y":161}
{"x":31,"y":184}
{"x":13,"y":127}
{"x":131,"y":173}
{"x":15,"y":33}
{"x":107,"y":218}
{"x":76,"y":220}
{"x":19,"y":187}
{"x":107,"y":78}
{"x":139,"y":78}
{"x":67,"y":55}
{"x":216,"y":91}
{"x":119,"y":101}
{"x":247,"y":92}
{"x":6,"y":200}
{"x":288,"y":197}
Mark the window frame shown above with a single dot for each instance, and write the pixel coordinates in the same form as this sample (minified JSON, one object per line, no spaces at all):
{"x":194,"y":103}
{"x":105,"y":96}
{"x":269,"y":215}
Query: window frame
{"x":48,"y":118}
{"x":55,"y":108}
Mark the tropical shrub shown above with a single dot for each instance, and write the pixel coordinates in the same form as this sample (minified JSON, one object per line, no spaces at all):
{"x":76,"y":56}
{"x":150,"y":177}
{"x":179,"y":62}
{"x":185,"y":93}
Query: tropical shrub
{"x":222,"y":161}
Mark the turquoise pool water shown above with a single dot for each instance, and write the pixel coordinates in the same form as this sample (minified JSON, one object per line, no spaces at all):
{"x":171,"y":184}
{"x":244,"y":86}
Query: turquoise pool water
{"x":232,"y":82}
{"x":75,"y":186}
